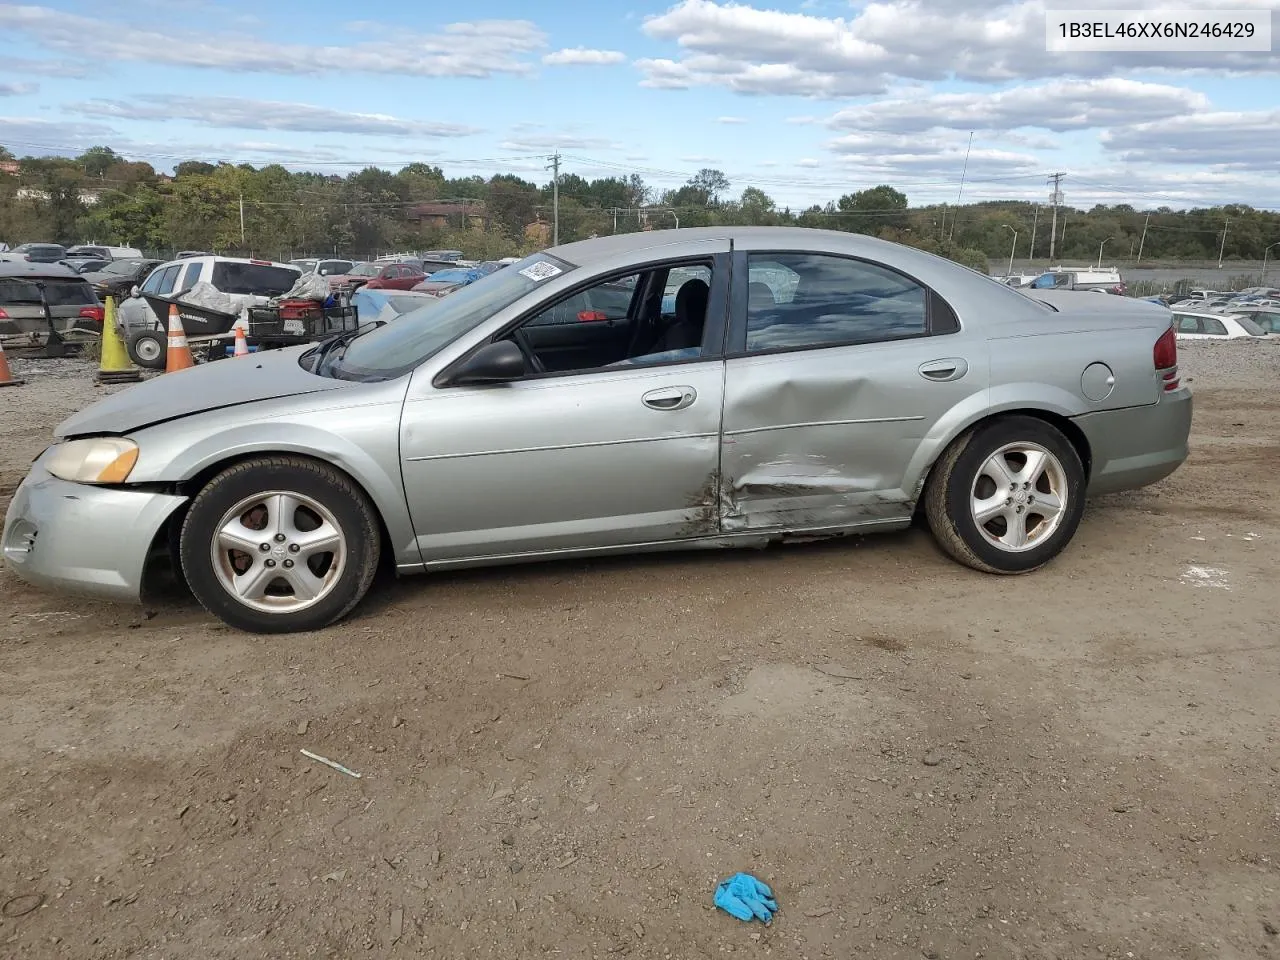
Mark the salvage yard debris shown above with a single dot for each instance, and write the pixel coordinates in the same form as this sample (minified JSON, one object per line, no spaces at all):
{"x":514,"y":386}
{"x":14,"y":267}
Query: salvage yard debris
{"x":329,"y":763}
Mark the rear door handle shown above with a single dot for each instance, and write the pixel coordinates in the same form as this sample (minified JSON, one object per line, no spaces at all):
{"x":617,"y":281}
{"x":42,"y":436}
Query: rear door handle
{"x":670,"y":398}
{"x":952,"y":368}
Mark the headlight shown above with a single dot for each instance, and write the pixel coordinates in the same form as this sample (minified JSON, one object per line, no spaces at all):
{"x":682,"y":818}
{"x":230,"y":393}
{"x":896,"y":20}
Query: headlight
{"x":98,"y":460}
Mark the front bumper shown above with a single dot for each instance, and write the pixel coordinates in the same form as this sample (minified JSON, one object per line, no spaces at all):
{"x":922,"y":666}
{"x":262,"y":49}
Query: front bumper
{"x":82,"y":538}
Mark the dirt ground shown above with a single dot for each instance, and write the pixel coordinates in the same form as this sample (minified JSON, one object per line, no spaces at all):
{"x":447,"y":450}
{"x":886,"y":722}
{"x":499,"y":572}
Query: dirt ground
{"x":563,"y":759}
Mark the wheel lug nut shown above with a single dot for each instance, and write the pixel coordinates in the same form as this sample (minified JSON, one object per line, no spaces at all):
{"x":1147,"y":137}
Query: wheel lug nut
{"x":288,"y":564}
{"x":279,"y":538}
{"x":294,"y":548}
{"x":1019,"y":510}
{"x":271,"y":563}
{"x":264,"y":547}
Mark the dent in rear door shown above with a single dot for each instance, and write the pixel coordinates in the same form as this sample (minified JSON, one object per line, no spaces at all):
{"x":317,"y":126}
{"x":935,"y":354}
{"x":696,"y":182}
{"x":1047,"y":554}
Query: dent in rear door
{"x":822,"y":437}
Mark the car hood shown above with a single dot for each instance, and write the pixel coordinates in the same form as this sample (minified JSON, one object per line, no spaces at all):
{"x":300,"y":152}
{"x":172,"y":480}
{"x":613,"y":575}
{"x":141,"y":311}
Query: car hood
{"x":224,"y":383}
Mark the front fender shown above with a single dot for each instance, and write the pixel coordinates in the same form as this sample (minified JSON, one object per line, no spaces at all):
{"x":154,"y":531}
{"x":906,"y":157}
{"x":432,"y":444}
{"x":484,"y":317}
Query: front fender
{"x":979,"y":406}
{"x":364,"y":444}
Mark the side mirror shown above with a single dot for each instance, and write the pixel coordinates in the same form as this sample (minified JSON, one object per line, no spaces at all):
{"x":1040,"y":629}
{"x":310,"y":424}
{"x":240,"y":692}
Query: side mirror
{"x":136,"y":291}
{"x":499,"y":362}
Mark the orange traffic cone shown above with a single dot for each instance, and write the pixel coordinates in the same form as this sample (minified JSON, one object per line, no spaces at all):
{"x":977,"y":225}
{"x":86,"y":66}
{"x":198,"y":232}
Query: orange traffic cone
{"x":6,"y":377}
{"x":179,"y":356}
{"x":242,"y":345}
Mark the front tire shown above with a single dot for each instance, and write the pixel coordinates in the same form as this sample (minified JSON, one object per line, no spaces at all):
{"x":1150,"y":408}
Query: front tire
{"x":1008,"y":497}
{"x":280,"y":545}
{"x":148,"y":348}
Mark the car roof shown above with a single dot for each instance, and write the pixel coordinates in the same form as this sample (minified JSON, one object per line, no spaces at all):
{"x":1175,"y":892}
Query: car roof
{"x":585,"y":252}
{"x":213,"y":258}
{"x":21,"y":269}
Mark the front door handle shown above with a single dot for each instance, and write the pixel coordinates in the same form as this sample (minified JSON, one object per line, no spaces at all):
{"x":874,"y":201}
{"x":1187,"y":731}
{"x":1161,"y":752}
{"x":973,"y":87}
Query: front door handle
{"x":670,"y":398}
{"x":942,"y":371}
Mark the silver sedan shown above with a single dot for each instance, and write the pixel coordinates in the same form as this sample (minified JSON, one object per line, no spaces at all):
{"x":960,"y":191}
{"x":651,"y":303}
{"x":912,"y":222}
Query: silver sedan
{"x":662,"y":390}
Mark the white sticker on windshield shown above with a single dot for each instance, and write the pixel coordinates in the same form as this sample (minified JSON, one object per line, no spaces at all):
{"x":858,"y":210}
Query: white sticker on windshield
{"x":540,"y":271}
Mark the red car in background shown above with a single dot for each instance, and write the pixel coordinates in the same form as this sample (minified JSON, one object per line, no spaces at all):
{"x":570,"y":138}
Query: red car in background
{"x":393,"y":276}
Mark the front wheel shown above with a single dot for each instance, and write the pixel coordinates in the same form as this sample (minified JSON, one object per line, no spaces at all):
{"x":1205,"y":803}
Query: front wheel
{"x":1007,"y":498}
{"x":279,"y":545}
{"x":148,"y":348}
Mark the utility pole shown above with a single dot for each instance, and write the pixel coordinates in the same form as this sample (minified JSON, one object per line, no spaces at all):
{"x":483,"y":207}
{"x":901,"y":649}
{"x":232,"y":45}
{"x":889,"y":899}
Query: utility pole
{"x":1031,"y":252}
{"x":964,"y":171}
{"x":1223,"y":248}
{"x":1055,"y":198}
{"x":242,"y":218}
{"x":555,"y":199}
{"x":1143,"y":241}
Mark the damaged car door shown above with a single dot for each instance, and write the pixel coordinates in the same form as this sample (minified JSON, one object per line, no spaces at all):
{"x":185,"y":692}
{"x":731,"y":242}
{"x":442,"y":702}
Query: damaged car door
{"x":838,"y":368}
{"x":607,"y":435}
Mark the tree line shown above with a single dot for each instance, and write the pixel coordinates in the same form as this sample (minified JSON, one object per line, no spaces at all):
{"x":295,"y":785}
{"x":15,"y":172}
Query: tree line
{"x":272,"y":212}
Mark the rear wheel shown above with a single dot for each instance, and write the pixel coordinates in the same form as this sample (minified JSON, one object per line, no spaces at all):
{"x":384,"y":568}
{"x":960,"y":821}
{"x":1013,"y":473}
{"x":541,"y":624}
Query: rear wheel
{"x":1008,"y":497}
{"x":148,"y":348}
{"x":280,"y":544}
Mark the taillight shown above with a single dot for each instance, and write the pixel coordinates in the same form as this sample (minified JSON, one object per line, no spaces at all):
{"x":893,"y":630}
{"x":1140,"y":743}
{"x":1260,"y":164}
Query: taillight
{"x":1165,"y":358}
{"x":96,"y":314}
{"x":3,"y":315}
{"x":592,"y":316}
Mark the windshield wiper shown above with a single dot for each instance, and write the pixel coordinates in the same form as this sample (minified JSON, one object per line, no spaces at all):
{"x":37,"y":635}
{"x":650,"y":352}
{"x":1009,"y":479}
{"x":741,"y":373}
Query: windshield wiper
{"x":327,"y":347}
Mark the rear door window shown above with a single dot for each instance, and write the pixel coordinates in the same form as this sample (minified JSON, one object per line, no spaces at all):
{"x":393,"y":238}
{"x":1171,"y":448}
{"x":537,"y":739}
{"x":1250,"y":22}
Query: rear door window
{"x":1214,"y":328}
{"x":167,"y":279}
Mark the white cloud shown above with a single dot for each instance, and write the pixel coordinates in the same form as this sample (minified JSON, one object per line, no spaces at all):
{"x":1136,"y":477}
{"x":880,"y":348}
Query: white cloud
{"x":1058,"y":106}
{"x":18,"y":89}
{"x":478,"y":49}
{"x":731,"y":120}
{"x":888,"y":155}
{"x":552,"y":141}
{"x":33,"y":135}
{"x":1227,"y":141}
{"x":808,"y":162}
{"x":698,"y":159}
{"x":25,"y":66}
{"x":751,"y":50}
{"x":264,"y":115}
{"x":583,"y":56}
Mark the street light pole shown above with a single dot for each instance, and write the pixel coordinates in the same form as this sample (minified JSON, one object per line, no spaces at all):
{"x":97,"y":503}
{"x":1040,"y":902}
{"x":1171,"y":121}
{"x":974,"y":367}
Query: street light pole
{"x":1100,"y":246}
{"x":1266,"y":253}
{"x":1223,"y":248}
{"x":1013,"y":249}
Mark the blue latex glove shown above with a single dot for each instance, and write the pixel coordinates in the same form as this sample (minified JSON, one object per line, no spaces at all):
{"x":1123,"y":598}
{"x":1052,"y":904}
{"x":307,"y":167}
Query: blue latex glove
{"x":745,"y":897}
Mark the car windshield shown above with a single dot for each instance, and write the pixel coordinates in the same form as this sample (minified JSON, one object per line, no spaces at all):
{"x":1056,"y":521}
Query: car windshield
{"x":333,"y":267}
{"x":1249,"y":327}
{"x":398,"y":347}
{"x":365,"y":270}
{"x":122,"y":267}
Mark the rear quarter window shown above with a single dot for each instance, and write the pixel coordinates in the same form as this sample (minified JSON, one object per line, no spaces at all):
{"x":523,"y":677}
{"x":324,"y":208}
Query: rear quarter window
{"x":254,"y":279}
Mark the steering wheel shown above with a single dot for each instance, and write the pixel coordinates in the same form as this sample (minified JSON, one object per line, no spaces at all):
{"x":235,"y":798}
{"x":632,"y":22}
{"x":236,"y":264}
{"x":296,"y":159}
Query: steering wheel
{"x":530,"y":357}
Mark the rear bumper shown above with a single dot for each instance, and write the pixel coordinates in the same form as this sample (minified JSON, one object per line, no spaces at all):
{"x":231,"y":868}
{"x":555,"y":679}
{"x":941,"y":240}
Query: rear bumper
{"x":81,"y":538}
{"x":1138,"y":446}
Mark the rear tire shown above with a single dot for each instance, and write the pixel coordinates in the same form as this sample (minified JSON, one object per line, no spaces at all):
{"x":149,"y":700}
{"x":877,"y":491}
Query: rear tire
{"x":1007,"y":497}
{"x":148,"y":348}
{"x":280,"y":545}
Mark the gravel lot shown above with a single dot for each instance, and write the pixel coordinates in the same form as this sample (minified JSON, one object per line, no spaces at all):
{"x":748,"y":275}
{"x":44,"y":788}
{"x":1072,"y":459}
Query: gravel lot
{"x":562,"y":759}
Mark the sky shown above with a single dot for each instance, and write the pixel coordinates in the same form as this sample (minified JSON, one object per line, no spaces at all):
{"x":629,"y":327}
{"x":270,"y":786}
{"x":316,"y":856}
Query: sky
{"x":805,"y":99}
